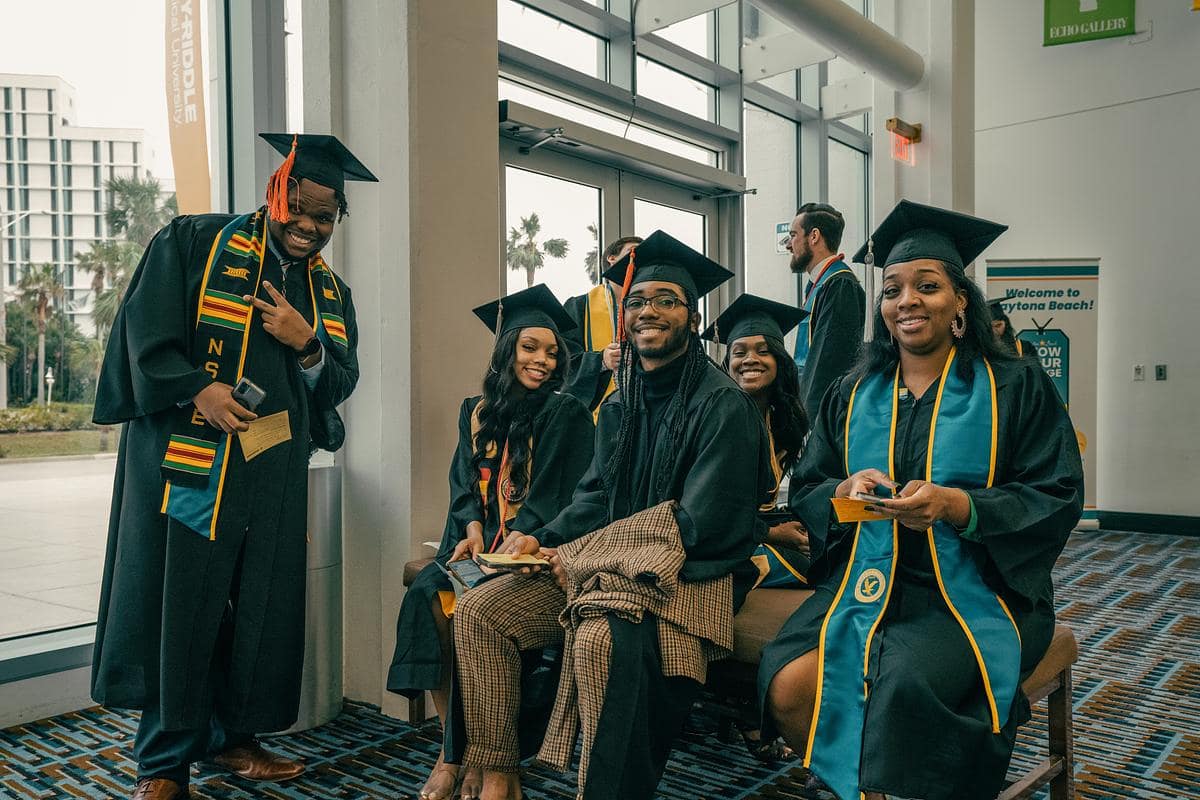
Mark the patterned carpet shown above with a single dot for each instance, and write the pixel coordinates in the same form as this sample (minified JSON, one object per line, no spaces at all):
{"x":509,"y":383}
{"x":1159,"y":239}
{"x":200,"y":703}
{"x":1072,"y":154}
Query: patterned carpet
{"x":1133,"y":601}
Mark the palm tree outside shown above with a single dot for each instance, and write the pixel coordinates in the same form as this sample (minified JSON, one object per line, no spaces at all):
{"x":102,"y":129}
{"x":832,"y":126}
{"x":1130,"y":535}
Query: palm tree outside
{"x":42,"y":286}
{"x":523,"y":252}
{"x":591,"y":262}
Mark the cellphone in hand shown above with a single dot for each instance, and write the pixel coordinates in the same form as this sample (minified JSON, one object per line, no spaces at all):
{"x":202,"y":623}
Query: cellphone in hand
{"x":248,"y":394}
{"x":867,"y":497}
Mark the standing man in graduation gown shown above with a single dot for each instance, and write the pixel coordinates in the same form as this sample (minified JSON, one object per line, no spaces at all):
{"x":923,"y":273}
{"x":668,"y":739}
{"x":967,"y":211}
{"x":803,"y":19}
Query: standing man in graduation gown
{"x":201,"y":620}
{"x":678,"y":428}
{"x":594,"y":343}
{"x":828,"y":339}
{"x":901,"y":675}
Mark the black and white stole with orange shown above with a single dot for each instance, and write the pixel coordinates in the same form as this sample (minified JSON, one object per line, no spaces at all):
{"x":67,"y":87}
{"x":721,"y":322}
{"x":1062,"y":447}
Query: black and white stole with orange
{"x":197,"y":454}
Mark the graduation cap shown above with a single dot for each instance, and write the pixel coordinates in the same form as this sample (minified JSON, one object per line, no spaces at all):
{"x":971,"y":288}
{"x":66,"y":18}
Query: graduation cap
{"x":997,"y":309}
{"x":535,"y":307}
{"x":664,"y":258}
{"x":915,"y":231}
{"x":320,"y":158}
{"x":751,"y":315}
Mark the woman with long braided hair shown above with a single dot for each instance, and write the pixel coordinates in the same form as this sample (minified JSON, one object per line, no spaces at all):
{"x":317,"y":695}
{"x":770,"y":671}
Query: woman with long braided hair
{"x":523,"y":446}
{"x":677,"y":429}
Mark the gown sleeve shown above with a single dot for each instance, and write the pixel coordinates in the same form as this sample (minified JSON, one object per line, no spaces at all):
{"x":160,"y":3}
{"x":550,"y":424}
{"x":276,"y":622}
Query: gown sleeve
{"x":730,"y":472}
{"x":561,"y":454}
{"x":337,"y":380}
{"x":836,"y":336}
{"x":1037,"y":498}
{"x":589,"y":507}
{"x":147,"y":367}
{"x":464,"y":489}
{"x":816,"y":476}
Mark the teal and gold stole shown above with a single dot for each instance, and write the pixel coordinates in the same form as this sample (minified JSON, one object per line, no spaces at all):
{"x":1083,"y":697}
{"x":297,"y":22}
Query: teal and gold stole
{"x":192,"y":494}
{"x":962,"y":454}
{"x":804,"y":329}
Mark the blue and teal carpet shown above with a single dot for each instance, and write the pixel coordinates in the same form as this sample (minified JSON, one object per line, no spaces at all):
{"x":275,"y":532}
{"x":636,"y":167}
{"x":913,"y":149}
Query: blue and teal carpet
{"x":1133,"y":601}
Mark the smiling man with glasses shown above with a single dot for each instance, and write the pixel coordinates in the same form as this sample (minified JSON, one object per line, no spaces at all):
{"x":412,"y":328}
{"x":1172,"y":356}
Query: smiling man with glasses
{"x":679,"y":431}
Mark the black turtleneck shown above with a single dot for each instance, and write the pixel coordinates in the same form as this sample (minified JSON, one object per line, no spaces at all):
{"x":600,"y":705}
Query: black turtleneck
{"x":658,"y":386}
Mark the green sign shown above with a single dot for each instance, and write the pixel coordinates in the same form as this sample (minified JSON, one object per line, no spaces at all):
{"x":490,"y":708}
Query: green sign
{"x":1082,"y":20}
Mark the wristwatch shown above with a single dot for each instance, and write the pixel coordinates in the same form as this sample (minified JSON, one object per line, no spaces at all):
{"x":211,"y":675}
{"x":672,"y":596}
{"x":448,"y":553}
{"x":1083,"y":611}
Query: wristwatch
{"x":310,"y":349}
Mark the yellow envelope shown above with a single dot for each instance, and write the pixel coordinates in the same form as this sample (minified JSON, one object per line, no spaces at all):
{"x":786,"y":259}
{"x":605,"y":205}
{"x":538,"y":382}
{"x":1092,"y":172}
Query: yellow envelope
{"x":849,"y":509}
{"x":265,"y":433}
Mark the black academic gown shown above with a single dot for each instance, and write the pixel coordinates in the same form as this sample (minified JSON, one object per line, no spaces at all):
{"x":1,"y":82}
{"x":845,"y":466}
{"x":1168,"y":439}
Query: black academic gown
{"x":928,"y":730}
{"x":589,"y":377}
{"x":837,"y":322}
{"x":563,"y":435}
{"x":185,"y":623}
{"x":719,"y":475}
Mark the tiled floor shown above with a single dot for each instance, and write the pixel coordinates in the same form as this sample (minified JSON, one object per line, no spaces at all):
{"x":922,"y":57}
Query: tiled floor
{"x":53,"y":526}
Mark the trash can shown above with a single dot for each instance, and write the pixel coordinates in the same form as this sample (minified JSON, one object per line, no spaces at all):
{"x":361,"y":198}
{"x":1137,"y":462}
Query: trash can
{"x":321,"y":687}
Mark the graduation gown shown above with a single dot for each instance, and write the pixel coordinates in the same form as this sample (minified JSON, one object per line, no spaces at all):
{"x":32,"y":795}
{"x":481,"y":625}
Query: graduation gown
{"x":838,"y":315}
{"x":589,"y":378}
{"x":928,"y":730}
{"x":563,"y":435}
{"x":166,"y":589}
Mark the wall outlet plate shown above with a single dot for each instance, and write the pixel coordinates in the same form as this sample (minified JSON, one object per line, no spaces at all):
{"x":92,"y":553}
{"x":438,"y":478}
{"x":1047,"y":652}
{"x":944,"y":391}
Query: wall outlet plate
{"x":1139,"y":372}
{"x":1160,"y":372}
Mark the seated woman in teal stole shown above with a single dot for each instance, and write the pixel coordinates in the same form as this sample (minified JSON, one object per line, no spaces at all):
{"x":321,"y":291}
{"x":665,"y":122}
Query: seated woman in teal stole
{"x":901,"y":675}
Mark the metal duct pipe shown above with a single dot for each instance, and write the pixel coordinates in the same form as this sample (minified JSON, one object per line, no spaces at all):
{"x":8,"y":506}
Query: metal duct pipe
{"x":848,"y":33}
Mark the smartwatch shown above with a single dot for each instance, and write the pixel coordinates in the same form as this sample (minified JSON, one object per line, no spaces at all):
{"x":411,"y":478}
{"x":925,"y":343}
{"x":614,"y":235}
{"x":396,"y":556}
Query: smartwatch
{"x":310,"y":349}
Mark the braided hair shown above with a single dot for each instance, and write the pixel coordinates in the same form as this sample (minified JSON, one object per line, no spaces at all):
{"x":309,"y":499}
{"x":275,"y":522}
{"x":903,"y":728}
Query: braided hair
{"x":616,"y":475}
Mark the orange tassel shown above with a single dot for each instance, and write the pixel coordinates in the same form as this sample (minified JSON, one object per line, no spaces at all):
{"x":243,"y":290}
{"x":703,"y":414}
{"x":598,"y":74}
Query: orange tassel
{"x":277,"y":187}
{"x":624,"y":293}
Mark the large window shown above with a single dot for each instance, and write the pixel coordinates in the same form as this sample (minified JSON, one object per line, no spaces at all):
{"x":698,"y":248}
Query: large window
{"x":74,"y":115}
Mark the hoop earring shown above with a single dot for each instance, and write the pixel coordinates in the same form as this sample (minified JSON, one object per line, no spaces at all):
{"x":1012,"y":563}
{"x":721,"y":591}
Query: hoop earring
{"x":958,"y":325}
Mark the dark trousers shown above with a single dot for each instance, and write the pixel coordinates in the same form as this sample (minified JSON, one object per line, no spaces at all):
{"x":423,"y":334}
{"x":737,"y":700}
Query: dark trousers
{"x":169,"y":754}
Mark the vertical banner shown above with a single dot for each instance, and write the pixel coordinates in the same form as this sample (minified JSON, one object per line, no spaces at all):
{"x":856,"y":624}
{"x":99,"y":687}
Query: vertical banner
{"x":1052,"y":307}
{"x":185,"y":106}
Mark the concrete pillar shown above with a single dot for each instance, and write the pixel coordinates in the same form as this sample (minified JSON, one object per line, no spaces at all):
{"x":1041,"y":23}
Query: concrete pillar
{"x":411,"y":88}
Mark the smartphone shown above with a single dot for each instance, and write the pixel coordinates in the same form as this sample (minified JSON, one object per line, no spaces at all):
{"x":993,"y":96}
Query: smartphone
{"x":870,"y":498}
{"x":248,"y":394}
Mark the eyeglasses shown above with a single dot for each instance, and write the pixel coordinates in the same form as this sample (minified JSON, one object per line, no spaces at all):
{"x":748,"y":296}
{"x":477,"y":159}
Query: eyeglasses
{"x":661,"y":302}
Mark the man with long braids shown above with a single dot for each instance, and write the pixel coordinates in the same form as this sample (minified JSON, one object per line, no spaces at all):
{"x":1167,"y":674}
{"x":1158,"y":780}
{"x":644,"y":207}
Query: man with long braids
{"x":678,"y":429}
{"x":201,"y":620}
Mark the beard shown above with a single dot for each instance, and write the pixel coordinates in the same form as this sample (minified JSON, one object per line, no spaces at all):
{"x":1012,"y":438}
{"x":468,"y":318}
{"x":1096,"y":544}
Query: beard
{"x":675,"y":343}
{"x":802,"y":260}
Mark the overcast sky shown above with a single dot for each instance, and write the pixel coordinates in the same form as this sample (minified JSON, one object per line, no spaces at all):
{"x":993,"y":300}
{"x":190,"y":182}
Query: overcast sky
{"x":111,"y":52}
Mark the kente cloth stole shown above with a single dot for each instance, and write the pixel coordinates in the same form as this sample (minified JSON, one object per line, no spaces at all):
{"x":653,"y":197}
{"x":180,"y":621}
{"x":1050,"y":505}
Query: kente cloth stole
{"x":601,"y":330}
{"x":197,"y":454}
{"x":804,"y":329}
{"x":506,"y":499}
{"x":962,"y":454}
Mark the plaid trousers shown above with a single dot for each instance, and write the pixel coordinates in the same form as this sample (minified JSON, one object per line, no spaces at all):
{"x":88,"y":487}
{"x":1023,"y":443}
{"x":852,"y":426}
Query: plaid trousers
{"x":493,"y":623}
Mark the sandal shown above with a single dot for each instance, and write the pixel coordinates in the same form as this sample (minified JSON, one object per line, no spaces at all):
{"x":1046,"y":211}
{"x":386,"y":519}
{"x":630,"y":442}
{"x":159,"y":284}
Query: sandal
{"x":775,"y":750}
{"x":442,"y":782}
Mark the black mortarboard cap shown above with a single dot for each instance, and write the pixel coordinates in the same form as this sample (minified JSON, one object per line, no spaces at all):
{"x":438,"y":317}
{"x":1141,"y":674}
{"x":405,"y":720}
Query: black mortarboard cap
{"x":997,"y":309}
{"x":751,"y":315}
{"x":915,"y":231}
{"x":535,"y":307}
{"x":662,"y":257}
{"x":320,"y":158}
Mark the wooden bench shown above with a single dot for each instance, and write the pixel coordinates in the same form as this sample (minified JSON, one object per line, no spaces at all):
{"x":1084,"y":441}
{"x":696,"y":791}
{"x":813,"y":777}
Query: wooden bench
{"x":733,"y":683}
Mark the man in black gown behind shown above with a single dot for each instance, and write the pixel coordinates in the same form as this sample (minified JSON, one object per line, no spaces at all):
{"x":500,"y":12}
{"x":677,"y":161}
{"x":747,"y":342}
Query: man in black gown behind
{"x":201,"y":619}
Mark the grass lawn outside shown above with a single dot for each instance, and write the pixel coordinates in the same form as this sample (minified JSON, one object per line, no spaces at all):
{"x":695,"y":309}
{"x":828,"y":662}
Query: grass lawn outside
{"x":56,"y":443}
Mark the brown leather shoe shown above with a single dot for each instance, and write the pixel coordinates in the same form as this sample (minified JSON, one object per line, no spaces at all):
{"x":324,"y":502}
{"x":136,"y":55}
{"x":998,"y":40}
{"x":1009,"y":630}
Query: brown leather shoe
{"x":159,"y":789}
{"x":254,"y":763}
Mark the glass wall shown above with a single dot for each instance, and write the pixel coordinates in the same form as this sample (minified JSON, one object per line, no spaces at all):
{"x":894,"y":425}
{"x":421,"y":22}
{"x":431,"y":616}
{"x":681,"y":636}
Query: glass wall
{"x":84,"y":134}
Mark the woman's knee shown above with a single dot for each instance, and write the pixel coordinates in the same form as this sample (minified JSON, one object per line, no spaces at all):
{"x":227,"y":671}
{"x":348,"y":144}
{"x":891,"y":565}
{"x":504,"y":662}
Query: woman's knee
{"x":793,"y":689}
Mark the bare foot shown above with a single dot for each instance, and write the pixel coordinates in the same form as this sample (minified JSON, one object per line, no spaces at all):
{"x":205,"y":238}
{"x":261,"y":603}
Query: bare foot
{"x":501,"y":786}
{"x":472,"y":783}
{"x":442,"y":781}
